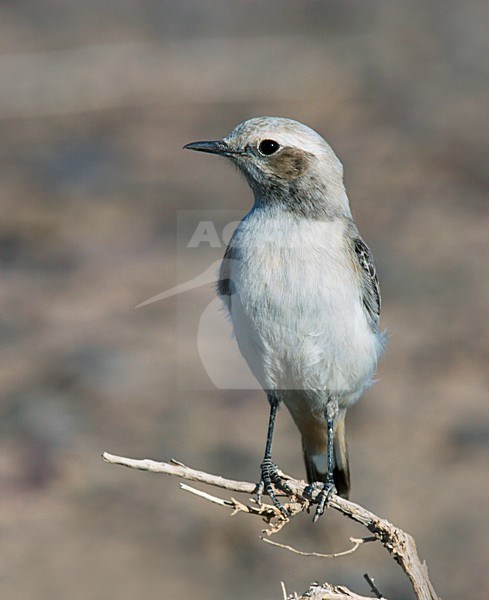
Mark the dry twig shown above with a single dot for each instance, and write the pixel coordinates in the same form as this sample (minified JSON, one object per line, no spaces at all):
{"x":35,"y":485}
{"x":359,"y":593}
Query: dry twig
{"x":357,"y":542}
{"x":373,"y":587}
{"x":400,"y":544}
{"x":328,"y":592}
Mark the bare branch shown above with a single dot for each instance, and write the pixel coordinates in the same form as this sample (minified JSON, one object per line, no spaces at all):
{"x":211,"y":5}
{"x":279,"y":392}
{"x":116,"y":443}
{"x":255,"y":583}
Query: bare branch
{"x":267,"y":511}
{"x":180,"y":470}
{"x":206,"y":496}
{"x":284,"y":591}
{"x":400,"y":544}
{"x":373,"y":587}
{"x":328,"y":592}
{"x":356,"y":541}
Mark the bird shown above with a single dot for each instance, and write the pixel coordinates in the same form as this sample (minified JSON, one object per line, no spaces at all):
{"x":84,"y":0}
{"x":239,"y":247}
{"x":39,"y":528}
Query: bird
{"x":301,"y":289}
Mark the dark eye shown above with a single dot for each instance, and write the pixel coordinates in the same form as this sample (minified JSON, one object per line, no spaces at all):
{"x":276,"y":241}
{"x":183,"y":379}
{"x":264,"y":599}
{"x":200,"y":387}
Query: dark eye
{"x":268,"y":147}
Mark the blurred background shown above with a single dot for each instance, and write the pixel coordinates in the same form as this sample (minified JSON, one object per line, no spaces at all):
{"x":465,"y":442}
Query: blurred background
{"x":96,"y":101}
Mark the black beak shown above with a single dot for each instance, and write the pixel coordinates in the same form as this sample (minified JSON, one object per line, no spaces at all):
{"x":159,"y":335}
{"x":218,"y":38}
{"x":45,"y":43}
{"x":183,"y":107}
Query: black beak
{"x":215,"y":147}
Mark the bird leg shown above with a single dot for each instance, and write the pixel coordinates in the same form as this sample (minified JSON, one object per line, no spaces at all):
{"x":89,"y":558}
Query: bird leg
{"x":329,"y":487}
{"x":269,"y":471}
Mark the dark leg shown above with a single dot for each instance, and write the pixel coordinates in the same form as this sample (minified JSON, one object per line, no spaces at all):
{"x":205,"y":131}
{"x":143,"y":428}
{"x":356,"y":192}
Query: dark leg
{"x":328,"y":488}
{"x":269,"y":474}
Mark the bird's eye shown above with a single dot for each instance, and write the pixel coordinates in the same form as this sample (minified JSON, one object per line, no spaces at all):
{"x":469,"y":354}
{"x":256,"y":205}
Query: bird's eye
{"x":268,"y":147}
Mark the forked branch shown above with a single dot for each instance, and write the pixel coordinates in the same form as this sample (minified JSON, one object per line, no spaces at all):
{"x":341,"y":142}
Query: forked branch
{"x":399,"y":544}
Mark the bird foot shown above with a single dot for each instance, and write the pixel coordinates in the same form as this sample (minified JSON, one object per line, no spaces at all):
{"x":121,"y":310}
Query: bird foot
{"x":310,"y":489}
{"x":323,"y":499}
{"x":269,"y":476}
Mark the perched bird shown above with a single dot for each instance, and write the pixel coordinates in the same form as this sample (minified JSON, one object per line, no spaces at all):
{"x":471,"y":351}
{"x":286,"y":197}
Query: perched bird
{"x":302,"y":292}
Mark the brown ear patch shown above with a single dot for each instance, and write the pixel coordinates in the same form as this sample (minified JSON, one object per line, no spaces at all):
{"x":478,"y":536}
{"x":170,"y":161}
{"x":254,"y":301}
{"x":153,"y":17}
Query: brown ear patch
{"x":290,"y":163}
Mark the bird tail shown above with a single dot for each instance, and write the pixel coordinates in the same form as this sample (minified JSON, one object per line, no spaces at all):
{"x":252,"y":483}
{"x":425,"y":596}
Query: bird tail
{"x":317,"y":464}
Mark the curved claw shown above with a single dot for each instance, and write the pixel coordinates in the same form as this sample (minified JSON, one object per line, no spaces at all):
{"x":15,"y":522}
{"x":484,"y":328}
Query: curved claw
{"x":259,"y":491}
{"x":323,"y":499}
{"x":269,"y":476}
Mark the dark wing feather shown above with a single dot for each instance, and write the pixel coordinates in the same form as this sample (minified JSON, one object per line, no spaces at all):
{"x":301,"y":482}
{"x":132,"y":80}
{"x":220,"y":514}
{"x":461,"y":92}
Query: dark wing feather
{"x":224,"y":284}
{"x":370,"y":281}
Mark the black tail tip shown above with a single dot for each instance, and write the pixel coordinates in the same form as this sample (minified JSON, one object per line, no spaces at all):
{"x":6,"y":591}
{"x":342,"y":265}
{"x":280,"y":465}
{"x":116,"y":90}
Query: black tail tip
{"x":342,"y":483}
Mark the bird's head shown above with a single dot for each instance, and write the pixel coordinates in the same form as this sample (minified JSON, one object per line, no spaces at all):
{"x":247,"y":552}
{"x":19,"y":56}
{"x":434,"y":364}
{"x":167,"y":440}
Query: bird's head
{"x":283,"y":161}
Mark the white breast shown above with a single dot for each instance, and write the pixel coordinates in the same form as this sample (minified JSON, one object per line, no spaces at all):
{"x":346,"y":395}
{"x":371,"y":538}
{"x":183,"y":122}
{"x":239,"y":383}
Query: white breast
{"x":297,"y":310}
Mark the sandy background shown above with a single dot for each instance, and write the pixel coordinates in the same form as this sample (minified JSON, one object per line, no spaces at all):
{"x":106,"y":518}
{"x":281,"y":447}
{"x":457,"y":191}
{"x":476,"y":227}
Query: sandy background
{"x":96,"y":102}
